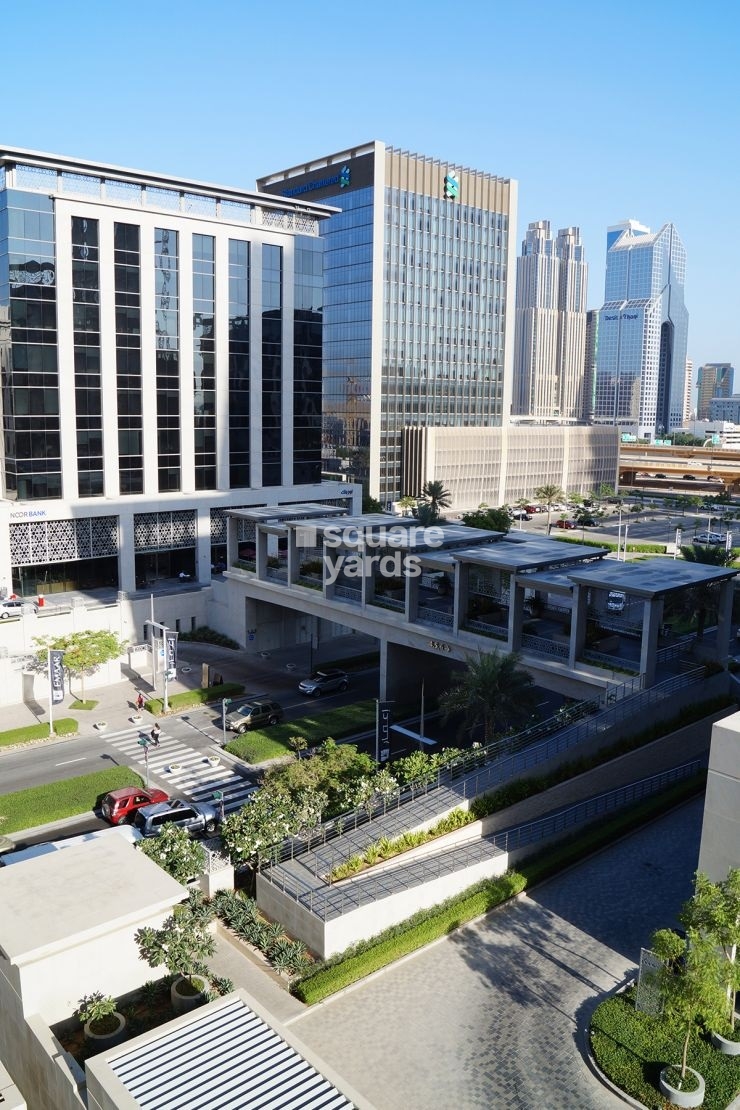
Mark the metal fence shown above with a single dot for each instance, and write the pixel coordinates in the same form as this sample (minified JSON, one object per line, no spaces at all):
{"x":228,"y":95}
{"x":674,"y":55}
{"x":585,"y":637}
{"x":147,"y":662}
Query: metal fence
{"x":328,"y":902}
{"x":479,"y":770}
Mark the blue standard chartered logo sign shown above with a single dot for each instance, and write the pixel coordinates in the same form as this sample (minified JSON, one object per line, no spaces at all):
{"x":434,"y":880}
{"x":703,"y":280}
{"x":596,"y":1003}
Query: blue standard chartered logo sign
{"x":452,"y":185}
{"x":342,"y":179}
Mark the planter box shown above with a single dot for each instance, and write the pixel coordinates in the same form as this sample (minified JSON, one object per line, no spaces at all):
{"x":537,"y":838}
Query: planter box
{"x":181,"y":1003}
{"x":683,"y":1098}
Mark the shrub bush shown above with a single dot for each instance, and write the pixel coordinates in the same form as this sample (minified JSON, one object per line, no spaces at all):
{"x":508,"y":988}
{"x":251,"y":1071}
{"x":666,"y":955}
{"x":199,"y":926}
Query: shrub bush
{"x":206,"y":635}
{"x":201,"y":696}
{"x":65,"y":726}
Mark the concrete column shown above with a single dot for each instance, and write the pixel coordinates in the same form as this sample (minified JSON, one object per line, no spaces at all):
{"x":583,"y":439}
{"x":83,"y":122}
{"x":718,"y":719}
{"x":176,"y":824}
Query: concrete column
{"x":232,"y":543}
{"x":724,"y":620}
{"x":383,"y":670}
{"x":412,"y":598}
{"x":332,"y":555}
{"x":367,"y":583}
{"x":516,"y":615}
{"x":126,"y":553}
{"x":261,"y":545}
{"x":203,"y":546}
{"x":652,"y":622}
{"x":294,"y":561}
{"x":460,"y":600}
{"x":579,"y":617}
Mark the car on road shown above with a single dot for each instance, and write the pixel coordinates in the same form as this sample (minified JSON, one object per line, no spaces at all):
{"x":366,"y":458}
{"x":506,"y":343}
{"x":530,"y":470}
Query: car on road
{"x":532,"y":509}
{"x":121,"y":805}
{"x":254,"y":714}
{"x":324,"y":682}
{"x":709,"y":537}
{"x":13,"y":607}
{"x":196,"y":817}
{"x":565,"y":524}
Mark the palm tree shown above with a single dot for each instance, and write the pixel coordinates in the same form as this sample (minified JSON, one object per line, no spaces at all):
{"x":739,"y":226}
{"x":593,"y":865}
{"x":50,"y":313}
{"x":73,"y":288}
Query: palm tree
{"x":549,"y":495}
{"x":407,"y":505}
{"x":437,"y":497}
{"x":494,"y":691}
{"x":698,"y":599}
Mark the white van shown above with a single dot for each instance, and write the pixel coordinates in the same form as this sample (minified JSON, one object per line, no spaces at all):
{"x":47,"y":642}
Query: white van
{"x":616,"y":601}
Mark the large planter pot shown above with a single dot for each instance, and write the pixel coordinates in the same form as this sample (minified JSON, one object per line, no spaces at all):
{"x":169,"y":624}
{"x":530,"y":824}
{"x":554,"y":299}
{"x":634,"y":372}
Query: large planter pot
{"x":182,"y":996}
{"x":102,"y":1041}
{"x":683,"y":1098}
{"x":726,"y":1045}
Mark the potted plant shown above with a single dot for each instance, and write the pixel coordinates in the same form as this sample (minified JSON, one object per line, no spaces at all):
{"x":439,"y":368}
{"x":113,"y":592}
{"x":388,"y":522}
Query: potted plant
{"x":102,"y":1022}
{"x":690,"y":992}
{"x":182,"y":945}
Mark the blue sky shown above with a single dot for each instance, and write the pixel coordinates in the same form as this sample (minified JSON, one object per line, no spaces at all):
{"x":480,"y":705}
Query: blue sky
{"x":600,"y":112}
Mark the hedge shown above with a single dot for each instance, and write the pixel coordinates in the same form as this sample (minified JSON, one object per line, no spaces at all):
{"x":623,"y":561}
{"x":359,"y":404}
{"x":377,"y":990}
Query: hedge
{"x":201,"y":696}
{"x":344,"y":720}
{"x":37,"y":805}
{"x":65,"y":726}
{"x":631,"y":1048}
{"x":206,"y":635}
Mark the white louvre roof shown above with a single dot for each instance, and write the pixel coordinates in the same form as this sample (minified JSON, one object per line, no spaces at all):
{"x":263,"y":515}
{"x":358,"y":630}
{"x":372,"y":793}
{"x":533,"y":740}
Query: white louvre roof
{"x":221,"y":1057}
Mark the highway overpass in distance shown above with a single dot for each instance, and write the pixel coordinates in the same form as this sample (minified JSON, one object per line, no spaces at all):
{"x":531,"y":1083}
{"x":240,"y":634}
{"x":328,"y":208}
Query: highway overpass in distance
{"x":704,"y":469}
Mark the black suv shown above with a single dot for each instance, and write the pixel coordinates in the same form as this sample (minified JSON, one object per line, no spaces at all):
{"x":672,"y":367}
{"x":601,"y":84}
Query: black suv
{"x":196,"y":817}
{"x":254,"y":714}
{"x":323,"y":682}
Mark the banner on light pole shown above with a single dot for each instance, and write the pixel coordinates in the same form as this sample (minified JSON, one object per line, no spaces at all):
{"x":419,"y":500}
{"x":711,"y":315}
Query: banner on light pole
{"x":382,"y":731}
{"x":56,"y":676}
{"x":170,"y":645}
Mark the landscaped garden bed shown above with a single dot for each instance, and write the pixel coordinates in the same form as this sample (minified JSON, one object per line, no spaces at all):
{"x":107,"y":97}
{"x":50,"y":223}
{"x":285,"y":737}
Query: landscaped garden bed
{"x":24,"y":809}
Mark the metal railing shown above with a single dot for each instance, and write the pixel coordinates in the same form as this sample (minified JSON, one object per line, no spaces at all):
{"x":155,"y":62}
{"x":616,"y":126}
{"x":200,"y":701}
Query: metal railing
{"x":542,"y":646}
{"x":331,"y":901}
{"x":610,"y":662}
{"x":348,"y":593}
{"x":393,"y":603}
{"x":434,"y":616}
{"x":485,"y":629}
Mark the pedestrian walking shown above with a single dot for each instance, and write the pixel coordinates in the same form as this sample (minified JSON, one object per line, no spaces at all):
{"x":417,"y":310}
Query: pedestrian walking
{"x":155,"y":734}
{"x":140,"y":702}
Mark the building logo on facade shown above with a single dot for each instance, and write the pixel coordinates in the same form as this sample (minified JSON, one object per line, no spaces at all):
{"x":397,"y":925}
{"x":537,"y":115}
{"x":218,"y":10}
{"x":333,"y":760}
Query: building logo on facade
{"x":344,"y":177}
{"x":452,"y":185}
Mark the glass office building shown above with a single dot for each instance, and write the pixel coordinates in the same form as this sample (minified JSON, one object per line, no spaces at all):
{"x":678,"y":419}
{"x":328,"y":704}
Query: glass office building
{"x":643,"y":332}
{"x":417,"y":298}
{"x":160,"y":362}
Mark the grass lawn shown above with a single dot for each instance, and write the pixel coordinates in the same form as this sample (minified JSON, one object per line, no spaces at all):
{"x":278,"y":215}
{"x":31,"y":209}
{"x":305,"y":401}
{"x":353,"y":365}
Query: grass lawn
{"x":632,"y":1048}
{"x":261,"y":744}
{"x":39,"y":804}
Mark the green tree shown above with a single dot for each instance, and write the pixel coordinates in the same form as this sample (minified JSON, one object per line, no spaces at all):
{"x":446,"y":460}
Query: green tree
{"x":267,"y":819}
{"x":371,"y":504}
{"x":714,"y":911}
{"x":492,"y":520}
{"x":437,"y":498}
{"x":182,"y":943}
{"x":689,"y":983}
{"x":333,"y":771}
{"x":697,"y":601}
{"x":549,"y":495}
{"x":493,"y":691}
{"x":176,"y":853}
{"x":84,"y":652}
{"x":407,"y":505}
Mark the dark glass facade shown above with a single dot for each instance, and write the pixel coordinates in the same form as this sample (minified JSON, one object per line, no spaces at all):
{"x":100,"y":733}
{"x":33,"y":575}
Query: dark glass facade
{"x":239,"y":454}
{"x":272,"y":365}
{"x":88,"y":387}
{"x":307,"y":362}
{"x":167,"y":327}
{"x":29,"y":370}
{"x":204,"y":360}
{"x":127,"y":279}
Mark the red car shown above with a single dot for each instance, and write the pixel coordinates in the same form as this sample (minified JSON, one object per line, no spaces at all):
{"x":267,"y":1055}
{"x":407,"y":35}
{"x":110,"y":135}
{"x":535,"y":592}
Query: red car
{"x":121,"y":805}
{"x":566,"y":524}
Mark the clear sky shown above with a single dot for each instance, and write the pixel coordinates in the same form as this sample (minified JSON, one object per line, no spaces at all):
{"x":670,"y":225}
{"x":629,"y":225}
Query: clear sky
{"x":601,"y":112}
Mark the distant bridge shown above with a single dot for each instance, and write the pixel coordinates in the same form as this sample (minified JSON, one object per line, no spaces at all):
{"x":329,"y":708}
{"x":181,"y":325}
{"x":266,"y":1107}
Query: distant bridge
{"x":684,"y":468}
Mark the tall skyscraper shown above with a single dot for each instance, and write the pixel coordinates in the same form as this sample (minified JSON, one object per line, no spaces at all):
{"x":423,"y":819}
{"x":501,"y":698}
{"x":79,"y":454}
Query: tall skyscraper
{"x":643,"y":327}
{"x":589,"y":362}
{"x":713,"y":379}
{"x":688,"y":391}
{"x":416,"y":302}
{"x":160,"y":363}
{"x":551,"y":284}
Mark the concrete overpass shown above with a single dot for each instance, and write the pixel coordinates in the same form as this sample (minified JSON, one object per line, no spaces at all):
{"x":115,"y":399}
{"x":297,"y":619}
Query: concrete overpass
{"x":718,"y":465}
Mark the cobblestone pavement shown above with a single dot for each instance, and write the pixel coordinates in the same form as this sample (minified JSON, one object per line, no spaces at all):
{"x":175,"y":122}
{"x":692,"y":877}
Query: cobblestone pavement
{"x":493,"y":1017}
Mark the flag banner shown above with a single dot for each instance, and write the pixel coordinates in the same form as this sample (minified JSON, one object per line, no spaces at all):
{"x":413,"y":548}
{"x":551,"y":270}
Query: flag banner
{"x":383,"y":736}
{"x":171,"y":653}
{"x":56,"y":676}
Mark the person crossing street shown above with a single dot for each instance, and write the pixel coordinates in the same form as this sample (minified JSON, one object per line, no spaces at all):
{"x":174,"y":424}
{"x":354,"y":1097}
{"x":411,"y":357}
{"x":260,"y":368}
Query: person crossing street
{"x":155,"y":735}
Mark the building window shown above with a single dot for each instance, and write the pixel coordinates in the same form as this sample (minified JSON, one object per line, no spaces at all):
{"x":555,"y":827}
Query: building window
{"x":204,"y":360}
{"x":239,"y":476}
{"x":127,"y":282}
{"x":272,"y":364}
{"x":167,"y":335}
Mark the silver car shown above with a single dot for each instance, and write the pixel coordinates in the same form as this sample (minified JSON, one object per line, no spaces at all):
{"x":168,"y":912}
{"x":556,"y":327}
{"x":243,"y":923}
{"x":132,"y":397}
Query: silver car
{"x":324,"y":682}
{"x":196,"y":817}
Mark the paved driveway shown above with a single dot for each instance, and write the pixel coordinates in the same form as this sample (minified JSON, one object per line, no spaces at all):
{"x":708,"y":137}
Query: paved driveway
{"x":493,"y":1016}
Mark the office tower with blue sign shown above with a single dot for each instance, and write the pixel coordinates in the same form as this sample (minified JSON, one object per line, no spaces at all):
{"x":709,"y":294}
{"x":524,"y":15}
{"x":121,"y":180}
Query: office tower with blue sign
{"x":417,"y":302}
{"x":551,"y":285}
{"x":643,"y":330}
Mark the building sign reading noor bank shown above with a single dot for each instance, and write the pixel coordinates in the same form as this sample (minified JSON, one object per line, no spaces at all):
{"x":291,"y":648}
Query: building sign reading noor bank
{"x":342,"y":179}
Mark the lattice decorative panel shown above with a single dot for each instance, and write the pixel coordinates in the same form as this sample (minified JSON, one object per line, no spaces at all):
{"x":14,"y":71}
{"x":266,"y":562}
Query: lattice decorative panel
{"x":123,"y":190}
{"x":236,"y":213}
{"x":203,"y":206}
{"x":306,"y":223}
{"x":61,"y":541}
{"x":246,"y":530}
{"x":218,"y":524}
{"x":163,"y":198}
{"x":34,"y":177}
{"x":81,"y":184}
{"x":164,"y":531}
{"x":272,"y":218}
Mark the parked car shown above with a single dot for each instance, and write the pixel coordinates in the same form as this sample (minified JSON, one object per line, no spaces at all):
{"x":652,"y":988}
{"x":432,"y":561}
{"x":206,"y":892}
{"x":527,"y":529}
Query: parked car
{"x":13,"y":607}
{"x":254,"y":714}
{"x":196,"y":817}
{"x":520,"y":514}
{"x":709,"y":537}
{"x":121,"y":805}
{"x":324,"y":682}
{"x":566,"y":524}
{"x":616,"y":601}
{"x":533,"y":509}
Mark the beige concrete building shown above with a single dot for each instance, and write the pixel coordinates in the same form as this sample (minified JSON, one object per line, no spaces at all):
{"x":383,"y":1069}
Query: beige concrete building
{"x":497,"y":466}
